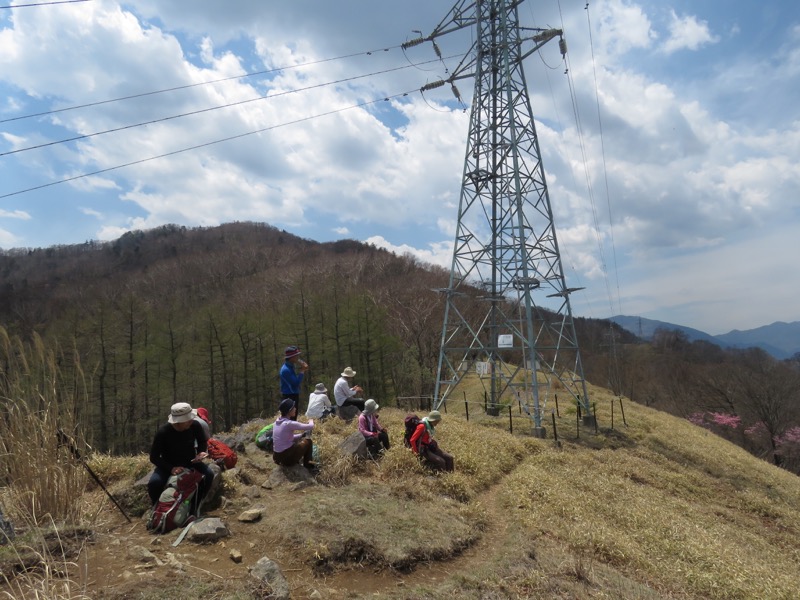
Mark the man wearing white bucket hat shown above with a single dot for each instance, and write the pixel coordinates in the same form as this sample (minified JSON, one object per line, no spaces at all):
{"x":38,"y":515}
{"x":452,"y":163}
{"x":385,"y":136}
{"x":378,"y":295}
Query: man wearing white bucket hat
{"x":344,"y":394}
{"x":179,"y":444}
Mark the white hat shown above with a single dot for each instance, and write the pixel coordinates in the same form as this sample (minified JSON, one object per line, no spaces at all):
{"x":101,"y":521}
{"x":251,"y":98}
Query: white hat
{"x":181,"y":412}
{"x":370,"y":406}
{"x":348,"y":372}
{"x":320,"y":388}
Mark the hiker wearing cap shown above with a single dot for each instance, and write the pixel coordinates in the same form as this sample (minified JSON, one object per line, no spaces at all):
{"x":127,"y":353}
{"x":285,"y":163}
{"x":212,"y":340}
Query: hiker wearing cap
{"x":292,"y":373}
{"x":179,"y":444}
{"x":288,"y":447}
{"x":204,"y":420}
{"x":344,"y":394}
{"x":319,"y":406}
{"x":376,"y":436}
{"x":425,"y":446}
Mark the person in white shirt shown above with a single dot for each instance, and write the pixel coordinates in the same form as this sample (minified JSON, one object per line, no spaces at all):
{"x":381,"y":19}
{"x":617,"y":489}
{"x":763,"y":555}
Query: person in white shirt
{"x":344,"y":393}
{"x":319,"y":406}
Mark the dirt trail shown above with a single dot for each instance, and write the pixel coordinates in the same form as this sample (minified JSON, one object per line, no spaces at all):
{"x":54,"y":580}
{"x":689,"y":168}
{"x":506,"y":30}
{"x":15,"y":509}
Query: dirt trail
{"x":110,"y":568}
{"x":369,"y":582}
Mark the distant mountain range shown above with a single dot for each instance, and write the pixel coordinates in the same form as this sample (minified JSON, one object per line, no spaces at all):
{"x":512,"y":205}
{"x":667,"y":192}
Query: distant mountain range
{"x":781,"y":340}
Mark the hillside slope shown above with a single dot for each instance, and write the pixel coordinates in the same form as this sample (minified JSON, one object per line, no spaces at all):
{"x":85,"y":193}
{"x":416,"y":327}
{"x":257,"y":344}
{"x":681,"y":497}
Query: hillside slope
{"x":657,"y":508}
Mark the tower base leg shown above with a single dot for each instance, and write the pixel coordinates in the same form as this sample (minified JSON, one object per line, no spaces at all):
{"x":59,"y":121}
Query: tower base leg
{"x":539,"y":433}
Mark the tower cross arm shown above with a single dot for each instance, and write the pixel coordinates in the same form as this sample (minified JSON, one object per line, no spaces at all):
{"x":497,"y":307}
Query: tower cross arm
{"x":541,"y":38}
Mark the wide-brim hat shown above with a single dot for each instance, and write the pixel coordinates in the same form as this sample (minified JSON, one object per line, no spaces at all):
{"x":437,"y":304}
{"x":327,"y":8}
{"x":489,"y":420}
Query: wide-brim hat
{"x":434,"y":416}
{"x":348,"y":372}
{"x":291,"y":352}
{"x":181,"y":412}
{"x":370,"y":406}
{"x":320,"y":388}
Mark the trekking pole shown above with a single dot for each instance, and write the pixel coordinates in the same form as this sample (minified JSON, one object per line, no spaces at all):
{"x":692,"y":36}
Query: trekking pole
{"x":64,"y":439}
{"x":555,"y":431}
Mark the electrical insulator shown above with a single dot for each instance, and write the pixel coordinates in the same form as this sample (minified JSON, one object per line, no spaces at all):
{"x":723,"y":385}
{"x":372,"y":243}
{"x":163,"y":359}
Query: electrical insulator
{"x":431,"y":86}
{"x":410,"y":43}
{"x":455,"y":91}
{"x":436,"y":49}
{"x":562,"y":45}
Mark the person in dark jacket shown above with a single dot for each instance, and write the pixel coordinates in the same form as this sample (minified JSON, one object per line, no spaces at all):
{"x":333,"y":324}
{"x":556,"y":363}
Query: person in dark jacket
{"x":179,"y":444}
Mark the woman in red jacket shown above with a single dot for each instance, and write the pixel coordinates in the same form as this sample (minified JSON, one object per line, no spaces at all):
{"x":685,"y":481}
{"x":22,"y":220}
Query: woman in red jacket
{"x":424,"y":444}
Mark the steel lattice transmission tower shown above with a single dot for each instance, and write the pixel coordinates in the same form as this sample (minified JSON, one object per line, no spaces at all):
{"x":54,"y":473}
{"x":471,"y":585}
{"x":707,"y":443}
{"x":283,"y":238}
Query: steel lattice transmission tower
{"x":506,"y":258}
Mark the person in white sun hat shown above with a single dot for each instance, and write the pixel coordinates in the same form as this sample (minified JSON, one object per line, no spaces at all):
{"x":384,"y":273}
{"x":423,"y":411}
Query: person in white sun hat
{"x":376,"y":436}
{"x":345,"y":393}
{"x":179,"y":444}
{"x":319,"y":406}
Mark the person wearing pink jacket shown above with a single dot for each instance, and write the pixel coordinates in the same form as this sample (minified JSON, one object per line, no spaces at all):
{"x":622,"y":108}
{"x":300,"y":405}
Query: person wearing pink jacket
{"x":376,"y":436}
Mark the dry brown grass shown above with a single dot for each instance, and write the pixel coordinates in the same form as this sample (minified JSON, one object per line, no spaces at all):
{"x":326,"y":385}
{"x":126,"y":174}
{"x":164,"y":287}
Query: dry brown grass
{"x":655,"y":509}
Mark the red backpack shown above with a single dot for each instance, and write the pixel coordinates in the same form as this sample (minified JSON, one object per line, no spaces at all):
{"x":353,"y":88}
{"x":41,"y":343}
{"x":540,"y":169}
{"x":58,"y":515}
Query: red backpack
{"x":174,"y":506}
{"x":222,"y":454}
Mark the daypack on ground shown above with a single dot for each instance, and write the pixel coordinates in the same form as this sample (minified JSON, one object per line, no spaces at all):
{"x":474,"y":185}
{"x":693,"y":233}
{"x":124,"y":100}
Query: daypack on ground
{"x":220,"y":452}
{"x":174,"y":506}
{"x":264,"y":438}
{"x":411,"y":422}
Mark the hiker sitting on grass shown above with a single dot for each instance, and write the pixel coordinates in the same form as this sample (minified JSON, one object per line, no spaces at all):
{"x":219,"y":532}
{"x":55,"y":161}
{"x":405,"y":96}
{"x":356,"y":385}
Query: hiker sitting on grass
{"x":319,"y":405}
{"x":288,"y":447}
{"x":376,"y":436}
{"x":173,"y":450}
{"x":424,"y":445}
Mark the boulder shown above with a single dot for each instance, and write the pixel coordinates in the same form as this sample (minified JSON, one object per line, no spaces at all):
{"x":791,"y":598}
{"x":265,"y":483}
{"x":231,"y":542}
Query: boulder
{"x":207,"y":530}
{"x":347,"y":413}
{"x":354,"y":445}
{"x":269,"y":573}
{"x":289,"y":476}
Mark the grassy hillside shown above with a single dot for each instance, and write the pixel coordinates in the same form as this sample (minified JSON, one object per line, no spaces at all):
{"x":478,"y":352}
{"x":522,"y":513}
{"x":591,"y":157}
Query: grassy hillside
{"x":659,"y":508}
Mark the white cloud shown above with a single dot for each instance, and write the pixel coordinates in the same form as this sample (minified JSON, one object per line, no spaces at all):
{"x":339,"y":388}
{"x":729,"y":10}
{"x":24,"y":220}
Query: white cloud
{"x":623,"y":27}
{"x":437,"y":253}
{"x":16,"y":214}
{"x":90,"y":212}
{"x":687,"y":33}
{"x":7,"y":239}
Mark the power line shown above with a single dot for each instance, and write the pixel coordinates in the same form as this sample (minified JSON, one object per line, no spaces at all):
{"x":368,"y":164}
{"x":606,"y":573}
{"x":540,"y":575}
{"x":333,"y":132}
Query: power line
{"x":44,"y":3}
{"x":212,"y":108}
{"x":191,"y":85}
{"x":211,"y":143}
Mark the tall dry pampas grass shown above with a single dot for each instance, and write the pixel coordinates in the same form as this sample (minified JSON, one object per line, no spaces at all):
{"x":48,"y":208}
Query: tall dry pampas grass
{"x":42,"y":477}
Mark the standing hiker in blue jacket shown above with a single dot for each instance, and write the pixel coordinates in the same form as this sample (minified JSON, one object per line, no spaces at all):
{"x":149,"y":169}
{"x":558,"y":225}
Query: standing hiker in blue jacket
{"x":292,"y":373}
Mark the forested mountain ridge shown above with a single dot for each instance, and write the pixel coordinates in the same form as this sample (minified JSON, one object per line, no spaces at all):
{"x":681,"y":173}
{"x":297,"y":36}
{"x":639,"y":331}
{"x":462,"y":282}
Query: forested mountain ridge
{"x":203,"y":315}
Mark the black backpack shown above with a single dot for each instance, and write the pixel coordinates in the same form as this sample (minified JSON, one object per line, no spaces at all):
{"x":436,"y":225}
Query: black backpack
{"x":411,"y":422}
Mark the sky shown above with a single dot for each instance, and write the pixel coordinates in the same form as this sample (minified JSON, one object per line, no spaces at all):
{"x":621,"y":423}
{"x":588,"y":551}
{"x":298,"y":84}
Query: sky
{"x":670,"y":136}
